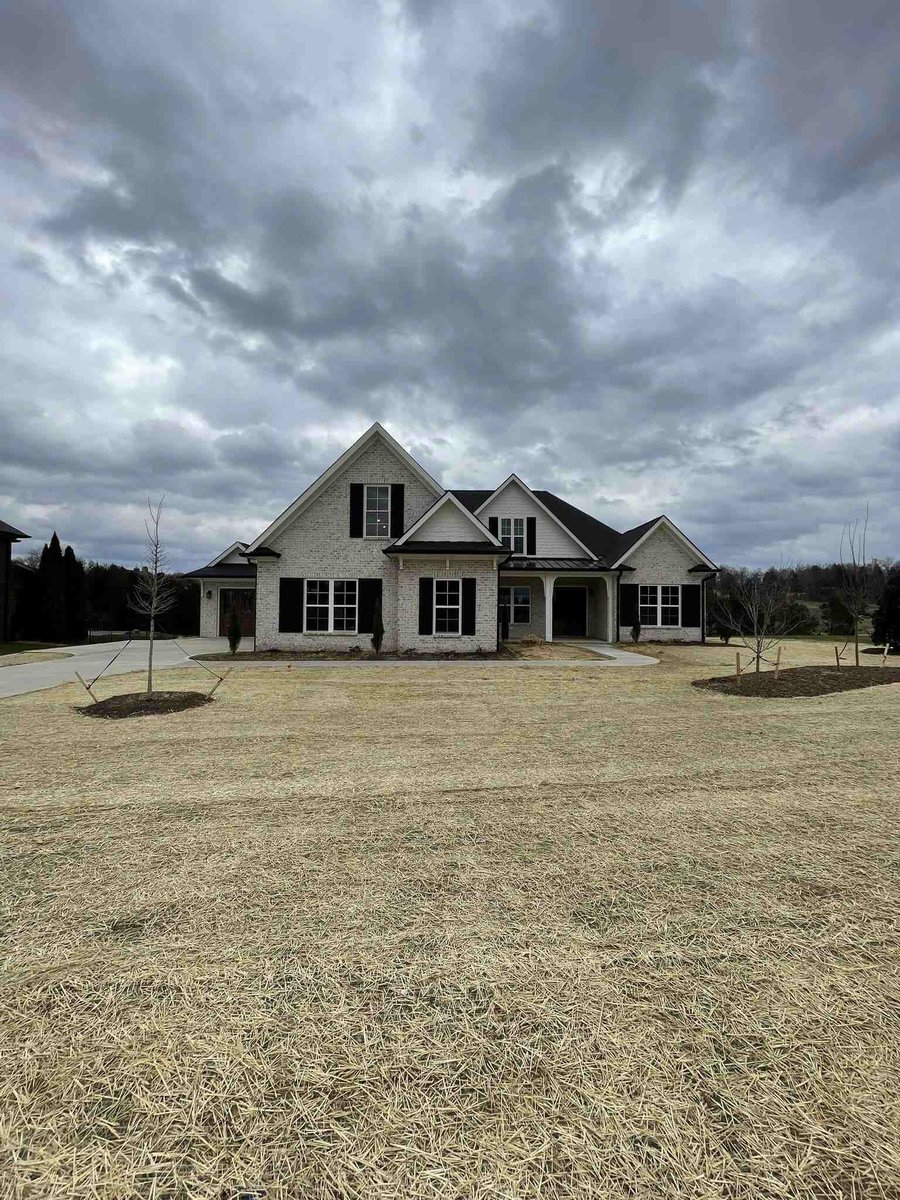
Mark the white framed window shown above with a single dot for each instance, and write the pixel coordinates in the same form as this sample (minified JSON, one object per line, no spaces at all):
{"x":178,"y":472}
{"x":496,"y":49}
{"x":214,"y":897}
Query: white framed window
{"x":660,"y":605}
{"x":512,"y":534}
{"x":515,"y":605}
{"x":331,"y":606}
{"x":447,"y":607}
{"x":377,"y":510}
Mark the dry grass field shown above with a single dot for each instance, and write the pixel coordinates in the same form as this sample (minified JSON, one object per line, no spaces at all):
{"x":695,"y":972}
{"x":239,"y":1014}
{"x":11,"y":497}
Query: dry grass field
{"x":465,"y":931}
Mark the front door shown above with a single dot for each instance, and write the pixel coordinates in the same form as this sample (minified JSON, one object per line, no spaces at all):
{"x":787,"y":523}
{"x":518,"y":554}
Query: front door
{"x":569,"y":611}
{"x":244,"y":599}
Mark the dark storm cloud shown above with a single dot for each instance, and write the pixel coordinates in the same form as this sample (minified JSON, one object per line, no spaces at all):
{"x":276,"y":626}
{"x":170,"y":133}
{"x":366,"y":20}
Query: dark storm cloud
{"x":641,"y":253}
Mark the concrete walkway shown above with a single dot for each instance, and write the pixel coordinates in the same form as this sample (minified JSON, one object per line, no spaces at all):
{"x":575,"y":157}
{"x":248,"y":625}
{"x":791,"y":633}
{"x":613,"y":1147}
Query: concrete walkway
{"x":620,"y":658}
{"x":89,"y":661}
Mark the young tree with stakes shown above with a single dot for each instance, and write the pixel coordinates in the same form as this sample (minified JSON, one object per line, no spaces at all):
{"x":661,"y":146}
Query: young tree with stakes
{"x":154,"y":592}
{"x":858,"y":579}
{"x":758,"y":606}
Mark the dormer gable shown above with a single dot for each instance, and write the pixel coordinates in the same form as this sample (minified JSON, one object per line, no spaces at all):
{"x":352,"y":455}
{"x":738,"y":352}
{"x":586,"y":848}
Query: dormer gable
{"x":448,"y":521}
{"x":525,"y":525}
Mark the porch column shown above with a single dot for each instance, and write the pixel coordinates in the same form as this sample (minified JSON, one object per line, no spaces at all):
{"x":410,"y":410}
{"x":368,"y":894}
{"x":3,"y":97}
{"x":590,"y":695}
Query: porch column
{"x":549,"y":581}
{"x":611,"y":616}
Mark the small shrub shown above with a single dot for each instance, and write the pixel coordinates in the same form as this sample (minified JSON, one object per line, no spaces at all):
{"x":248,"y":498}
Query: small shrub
{"x":636,"y":631}
{"x":233,"y":629}
{"x":377,"y":627}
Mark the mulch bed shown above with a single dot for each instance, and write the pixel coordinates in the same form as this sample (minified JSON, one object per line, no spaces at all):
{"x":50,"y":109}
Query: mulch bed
{"x":801,"y":681}
{"x":139,"y":704}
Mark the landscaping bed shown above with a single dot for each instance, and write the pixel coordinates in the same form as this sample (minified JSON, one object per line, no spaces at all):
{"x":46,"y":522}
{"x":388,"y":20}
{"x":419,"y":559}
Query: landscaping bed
{"x":140,"y":704}
{"x":800,"y":681}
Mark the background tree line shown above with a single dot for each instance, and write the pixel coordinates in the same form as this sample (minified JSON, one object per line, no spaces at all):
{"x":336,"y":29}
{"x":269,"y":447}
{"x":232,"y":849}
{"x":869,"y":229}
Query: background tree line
{"x":65,"y":598}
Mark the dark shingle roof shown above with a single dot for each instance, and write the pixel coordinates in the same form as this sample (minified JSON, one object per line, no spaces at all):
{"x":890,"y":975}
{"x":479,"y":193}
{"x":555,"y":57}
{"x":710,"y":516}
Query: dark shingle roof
{"x":10,"y":533}
{"x":472,"y":498}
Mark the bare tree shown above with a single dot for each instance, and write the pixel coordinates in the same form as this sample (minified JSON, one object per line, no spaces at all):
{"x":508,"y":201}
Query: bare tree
{"x":858,"y":579}
{"x":760,"y":608}
{"x":154,"y":592}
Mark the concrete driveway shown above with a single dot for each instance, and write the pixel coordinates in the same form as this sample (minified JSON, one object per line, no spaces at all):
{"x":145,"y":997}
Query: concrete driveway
{"x":89,"y":661}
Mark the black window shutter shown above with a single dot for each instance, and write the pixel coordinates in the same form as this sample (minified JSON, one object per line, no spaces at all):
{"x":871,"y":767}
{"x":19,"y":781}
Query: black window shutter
{"x":397,"y":518}
{"x":356,"y":510}
{"x":494,"y":526}
{"x":290,"y":605}
{"x":690,"y":605}
{"x":468,"y":605}
{"x":369,"y":592}
{"x":531,"y":536}
{"x":628,"y":603}
{"x":426,"y":602}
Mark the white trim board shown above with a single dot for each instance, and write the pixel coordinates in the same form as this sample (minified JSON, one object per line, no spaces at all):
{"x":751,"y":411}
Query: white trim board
{"x":221,"y":557}
{"x":304,"y":500}
{"x":543,"y":507}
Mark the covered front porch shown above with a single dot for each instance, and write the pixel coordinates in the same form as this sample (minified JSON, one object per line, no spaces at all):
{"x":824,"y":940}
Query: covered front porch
{"x":553,"y":604}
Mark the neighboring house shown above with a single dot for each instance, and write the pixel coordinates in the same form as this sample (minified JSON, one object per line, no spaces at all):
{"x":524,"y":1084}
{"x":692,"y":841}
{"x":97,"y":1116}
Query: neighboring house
{"x":453,"y":569}
{"x":8,"y":535}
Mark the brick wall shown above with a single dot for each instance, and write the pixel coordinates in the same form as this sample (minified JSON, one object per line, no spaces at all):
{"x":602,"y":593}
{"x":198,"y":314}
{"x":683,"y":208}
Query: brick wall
{"x":485,"y":637}
{"x":317,"y":545}
{"x":662,"y":559}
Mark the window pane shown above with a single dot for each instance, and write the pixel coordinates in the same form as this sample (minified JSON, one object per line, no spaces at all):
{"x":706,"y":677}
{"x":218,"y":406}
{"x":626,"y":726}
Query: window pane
{"x":669,"y":616}
{"x":648,"y":615}
{"x":378,"y":502}
{"x":447,"y":591}
{"x":648,"y":593}
{"x":518,"y":542}
{"x":670,"y":594}
{"x":506,"y":532}
{"x":446,"y":620}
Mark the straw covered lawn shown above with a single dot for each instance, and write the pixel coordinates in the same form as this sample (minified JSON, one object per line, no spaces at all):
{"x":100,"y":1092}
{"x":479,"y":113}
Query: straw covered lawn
{"x":465,"y":931}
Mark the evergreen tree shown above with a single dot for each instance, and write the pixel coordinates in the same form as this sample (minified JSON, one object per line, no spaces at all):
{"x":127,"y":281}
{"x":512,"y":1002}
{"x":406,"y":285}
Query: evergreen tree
{"x":76,"y":597}
{"x":53,"y":592}
{"x":837,"y":617}
{"x":886,"y":623}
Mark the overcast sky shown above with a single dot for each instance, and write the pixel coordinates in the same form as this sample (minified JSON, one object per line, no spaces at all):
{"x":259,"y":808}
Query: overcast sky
{"x":645,"y":253}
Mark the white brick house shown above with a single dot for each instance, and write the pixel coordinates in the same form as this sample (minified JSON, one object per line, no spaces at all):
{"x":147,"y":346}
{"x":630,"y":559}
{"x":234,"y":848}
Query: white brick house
{"x":451,"y":569}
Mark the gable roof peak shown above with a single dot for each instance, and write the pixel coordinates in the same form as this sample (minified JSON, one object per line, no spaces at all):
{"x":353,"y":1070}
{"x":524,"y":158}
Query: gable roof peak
{"x":376,"y":429}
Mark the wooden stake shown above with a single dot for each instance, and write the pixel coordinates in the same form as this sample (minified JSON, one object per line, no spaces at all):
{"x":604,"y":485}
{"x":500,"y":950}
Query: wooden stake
{"x":88,"y":689}
{"x":737,"y":666}
{"x":837,"y":657}
{"x":777,"y":663}
{"x":222,"y":679}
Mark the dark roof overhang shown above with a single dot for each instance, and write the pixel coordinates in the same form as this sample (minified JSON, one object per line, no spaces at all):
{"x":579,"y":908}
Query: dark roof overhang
{"x":441,"y":549}
{"x":9,"y":533}
{"x":702,"y":568}
{"x":262,"y":552}
{"x":223,"y":571}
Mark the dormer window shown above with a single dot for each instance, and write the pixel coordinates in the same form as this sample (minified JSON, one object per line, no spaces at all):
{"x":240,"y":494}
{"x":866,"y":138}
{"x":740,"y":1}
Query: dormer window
{"x":378,"y":510}
{"x":512,"y":534}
